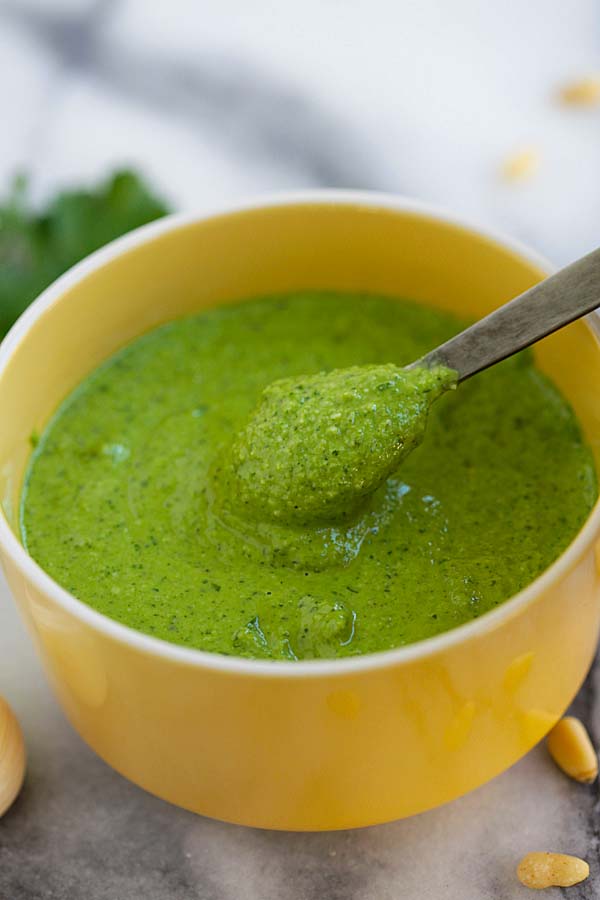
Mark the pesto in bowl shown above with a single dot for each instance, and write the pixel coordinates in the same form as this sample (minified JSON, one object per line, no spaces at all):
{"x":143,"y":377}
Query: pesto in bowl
{"x":133,"y":499}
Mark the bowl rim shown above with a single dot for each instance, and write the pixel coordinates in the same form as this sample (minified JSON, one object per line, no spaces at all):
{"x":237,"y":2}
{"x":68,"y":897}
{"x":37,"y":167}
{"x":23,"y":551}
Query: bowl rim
{"x":234,"y":665}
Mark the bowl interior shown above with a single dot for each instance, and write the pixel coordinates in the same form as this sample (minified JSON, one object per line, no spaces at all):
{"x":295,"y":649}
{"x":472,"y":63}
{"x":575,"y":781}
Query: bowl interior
{"x":177,"y":268}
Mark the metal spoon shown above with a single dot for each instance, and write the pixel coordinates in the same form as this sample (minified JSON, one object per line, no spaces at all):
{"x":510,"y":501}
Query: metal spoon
{"x":558,"y":300}
{"x":317,"y":446}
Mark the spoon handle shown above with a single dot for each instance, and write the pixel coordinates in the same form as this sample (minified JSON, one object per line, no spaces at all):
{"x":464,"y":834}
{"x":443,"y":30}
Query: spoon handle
{"x":569,"y":294}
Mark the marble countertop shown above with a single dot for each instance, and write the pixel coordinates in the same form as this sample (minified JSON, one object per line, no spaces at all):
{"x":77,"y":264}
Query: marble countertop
{"x":218,"y":101}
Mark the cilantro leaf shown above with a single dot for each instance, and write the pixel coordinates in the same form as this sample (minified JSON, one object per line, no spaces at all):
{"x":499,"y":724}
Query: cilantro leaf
{"x":37,"y":247}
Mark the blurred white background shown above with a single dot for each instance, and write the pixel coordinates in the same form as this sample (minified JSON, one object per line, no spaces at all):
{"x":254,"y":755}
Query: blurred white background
{"x":215,"y":101}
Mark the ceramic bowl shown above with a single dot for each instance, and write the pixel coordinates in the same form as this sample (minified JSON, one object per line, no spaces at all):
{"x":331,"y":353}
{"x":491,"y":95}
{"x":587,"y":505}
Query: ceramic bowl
{"x":313,"y":744}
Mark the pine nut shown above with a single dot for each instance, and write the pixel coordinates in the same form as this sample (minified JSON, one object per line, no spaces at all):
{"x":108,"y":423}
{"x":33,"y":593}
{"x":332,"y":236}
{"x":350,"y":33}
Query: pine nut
{"x":543,"y":870}
{"x":522,"y":165}
{"x":585,"y":92}
{"x":571,"y":749}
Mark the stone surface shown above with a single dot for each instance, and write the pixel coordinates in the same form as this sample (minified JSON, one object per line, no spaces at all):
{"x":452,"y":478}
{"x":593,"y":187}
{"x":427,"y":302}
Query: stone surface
{"x":220,"y":101}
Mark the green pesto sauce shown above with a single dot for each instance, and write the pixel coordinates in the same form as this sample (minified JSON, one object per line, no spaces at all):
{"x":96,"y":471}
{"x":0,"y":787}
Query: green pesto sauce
{"x":153,"y":496}
{"x":318,"y":445}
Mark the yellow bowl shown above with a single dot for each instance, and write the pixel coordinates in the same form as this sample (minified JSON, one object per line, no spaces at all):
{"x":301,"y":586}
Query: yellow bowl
{"x":315,"y":744}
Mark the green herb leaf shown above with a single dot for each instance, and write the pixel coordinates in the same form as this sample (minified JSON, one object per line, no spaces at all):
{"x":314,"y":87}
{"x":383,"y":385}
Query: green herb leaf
{"x":37,"y":247}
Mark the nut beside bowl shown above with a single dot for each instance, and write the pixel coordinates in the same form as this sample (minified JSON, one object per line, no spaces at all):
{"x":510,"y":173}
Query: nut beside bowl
{"x":314,"y":744}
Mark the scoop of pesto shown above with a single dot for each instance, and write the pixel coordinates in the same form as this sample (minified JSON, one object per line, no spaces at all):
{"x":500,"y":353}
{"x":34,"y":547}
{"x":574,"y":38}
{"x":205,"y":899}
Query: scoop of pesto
{"x":317,"y":446}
